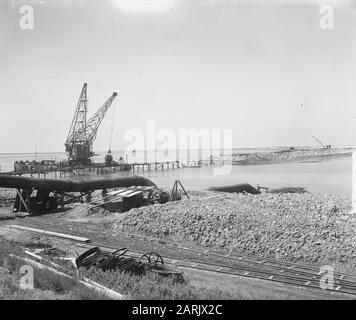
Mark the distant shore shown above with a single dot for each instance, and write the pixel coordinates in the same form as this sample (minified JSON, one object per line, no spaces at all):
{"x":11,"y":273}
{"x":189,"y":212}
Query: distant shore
{"x":290,"y":155}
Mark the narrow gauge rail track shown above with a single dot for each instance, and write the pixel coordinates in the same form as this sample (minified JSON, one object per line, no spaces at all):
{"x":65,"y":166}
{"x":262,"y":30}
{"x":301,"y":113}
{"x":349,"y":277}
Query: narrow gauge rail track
{"x":225,"y":262}
{"x":281,"y":274}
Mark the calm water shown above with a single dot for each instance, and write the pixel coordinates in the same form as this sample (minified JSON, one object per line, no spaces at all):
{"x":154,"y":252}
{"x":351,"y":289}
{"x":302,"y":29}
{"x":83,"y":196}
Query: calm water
{"x":330,"y":176}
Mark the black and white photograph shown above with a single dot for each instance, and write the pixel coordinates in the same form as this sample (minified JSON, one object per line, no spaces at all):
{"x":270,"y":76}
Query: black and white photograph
{"x":190,"y":152}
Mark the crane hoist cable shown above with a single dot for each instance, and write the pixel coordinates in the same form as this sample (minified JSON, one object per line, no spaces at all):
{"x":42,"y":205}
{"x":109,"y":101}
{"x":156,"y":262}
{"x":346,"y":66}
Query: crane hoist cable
{"x":113,"y":113}
{"x":112,"y":124}
{"x":92,"y":85}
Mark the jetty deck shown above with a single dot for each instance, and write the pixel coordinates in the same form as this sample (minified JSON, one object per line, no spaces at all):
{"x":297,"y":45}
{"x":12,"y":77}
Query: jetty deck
{"x":62,"y":172}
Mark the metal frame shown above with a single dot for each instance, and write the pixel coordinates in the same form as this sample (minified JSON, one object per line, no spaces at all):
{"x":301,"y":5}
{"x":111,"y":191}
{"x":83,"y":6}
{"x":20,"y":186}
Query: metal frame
{"x":83,"y":132}
{"x":175,"y":189}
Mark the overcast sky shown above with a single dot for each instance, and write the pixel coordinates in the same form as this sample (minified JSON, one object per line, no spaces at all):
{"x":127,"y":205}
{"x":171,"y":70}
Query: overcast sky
{"x":264,"y":69}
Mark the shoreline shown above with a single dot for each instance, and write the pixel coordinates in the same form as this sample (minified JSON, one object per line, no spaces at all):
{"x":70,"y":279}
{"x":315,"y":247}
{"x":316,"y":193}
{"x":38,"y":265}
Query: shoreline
{"x":289,"y":156}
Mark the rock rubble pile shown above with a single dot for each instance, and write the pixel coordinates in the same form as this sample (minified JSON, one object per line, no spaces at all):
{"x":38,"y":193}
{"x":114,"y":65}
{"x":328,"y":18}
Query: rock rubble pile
{"x":294,"y":227}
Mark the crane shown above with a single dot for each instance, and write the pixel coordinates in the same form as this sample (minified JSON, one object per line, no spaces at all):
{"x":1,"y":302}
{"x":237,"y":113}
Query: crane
{"x":322,"y":144}
{"x":82,"y":132}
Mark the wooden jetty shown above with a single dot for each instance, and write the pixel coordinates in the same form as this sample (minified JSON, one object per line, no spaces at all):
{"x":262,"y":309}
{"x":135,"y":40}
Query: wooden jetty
{"x":150,"y":166}
{"x":59,"y":172}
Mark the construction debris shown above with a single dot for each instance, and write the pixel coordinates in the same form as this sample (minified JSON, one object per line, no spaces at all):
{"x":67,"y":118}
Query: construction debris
{"x":85,"y":282}
{"x":50,"y":233}
{"x":288,"y":190}
{"x":49,"y":193}
{"x":237,"y":188}
{"x":4,"y":270}
{"x":109,"y":261}
{"x":6,"y":215}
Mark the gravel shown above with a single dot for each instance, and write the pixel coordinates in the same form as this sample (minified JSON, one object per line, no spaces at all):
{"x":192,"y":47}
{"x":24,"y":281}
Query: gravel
{"x":307,"y":228}
{"x":311,"y":228}
{"x":7,"y":197}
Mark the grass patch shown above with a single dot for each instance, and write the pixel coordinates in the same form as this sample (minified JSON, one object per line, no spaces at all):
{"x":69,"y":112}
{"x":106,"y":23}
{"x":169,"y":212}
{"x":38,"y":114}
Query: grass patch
{"x":47,"y":285}
{"x":151,"y":286}
{"x":50,"y":286}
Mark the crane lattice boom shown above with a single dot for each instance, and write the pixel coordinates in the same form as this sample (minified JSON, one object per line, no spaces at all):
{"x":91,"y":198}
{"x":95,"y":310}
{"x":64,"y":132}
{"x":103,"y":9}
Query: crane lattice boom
{"x":82,"y":133}
{"x":92,"y":126}
{"x":80,"y":116}
{"x":317,"y":140}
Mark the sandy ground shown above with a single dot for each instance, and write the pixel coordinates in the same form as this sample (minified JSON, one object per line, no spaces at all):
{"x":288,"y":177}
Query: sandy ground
{"x":315,"y":229}
{"x":308,"y":228}
{"x":233,"y":286}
